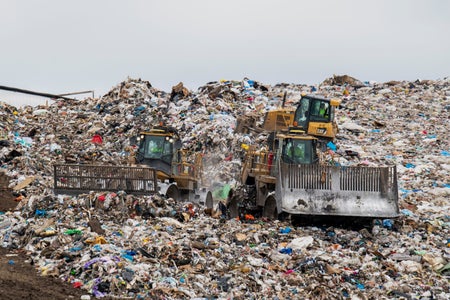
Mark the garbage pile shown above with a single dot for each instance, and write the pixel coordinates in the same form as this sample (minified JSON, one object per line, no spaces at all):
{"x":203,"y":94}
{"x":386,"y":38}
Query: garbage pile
{"x":112,"y":244}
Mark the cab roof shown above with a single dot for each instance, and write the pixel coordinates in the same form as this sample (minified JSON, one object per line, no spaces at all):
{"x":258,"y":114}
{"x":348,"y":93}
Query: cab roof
{"x":332,"y":101}
{"x":296,"y":135}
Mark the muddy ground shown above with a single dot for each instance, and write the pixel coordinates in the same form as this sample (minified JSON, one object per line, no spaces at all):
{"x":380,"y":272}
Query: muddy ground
{"x":19,"y":279}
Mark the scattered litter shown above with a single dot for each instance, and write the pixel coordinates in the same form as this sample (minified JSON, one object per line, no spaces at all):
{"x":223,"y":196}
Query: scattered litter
{"x":112,"y":244}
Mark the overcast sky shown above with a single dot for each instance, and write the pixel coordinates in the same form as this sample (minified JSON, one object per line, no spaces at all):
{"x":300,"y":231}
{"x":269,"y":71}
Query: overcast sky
{"x":66,"y":46}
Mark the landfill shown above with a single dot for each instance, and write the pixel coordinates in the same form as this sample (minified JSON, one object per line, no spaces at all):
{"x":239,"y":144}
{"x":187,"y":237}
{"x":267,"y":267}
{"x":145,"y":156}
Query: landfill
{"x":118,"y":245}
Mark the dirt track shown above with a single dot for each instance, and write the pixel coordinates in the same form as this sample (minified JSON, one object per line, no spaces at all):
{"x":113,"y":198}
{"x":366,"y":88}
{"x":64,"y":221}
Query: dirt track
{"x":19,"y":279}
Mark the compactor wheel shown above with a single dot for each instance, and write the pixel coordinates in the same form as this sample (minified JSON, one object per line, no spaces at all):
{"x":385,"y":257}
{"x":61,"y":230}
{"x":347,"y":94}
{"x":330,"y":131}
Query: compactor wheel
{"x":173,"y":192}
{"x":270,"y":209}
{"x":233,"y":207}
{"x":209,"y":200}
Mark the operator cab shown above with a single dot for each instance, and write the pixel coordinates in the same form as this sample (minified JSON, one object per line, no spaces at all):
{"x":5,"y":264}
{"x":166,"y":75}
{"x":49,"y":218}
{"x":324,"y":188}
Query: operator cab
{"x":156,"y":148}
{"x":298,"y":149}
{"x":315,"y":115}
{"x":313,"y":109}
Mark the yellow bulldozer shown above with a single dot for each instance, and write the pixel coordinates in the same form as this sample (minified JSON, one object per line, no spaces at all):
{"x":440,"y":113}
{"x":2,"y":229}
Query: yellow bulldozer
{"x":161,"y":165}
{"x":179,"y":171}
{"x":315,"y":115}
{"x":292,"y":178}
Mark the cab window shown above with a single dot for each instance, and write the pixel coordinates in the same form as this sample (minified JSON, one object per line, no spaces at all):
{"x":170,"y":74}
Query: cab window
{"x":297,"y":151}
{"x":154,"y":146}
{"x":320,"y":111}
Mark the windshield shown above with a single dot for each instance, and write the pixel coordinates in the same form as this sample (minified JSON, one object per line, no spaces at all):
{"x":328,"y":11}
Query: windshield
{"x":297,"y":151}
{"x":156,"y":147}
{"x":301,"y":113}
{"x":311,"y":109}
{"x":320,"y":111}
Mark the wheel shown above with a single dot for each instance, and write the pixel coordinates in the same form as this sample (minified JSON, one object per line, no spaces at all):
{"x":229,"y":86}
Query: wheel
{"x":173,"y":192}
{"x":209,"y":200}
{"x":270,"y":208}
{"x":233,"y":208}
{"x":283,"y":216}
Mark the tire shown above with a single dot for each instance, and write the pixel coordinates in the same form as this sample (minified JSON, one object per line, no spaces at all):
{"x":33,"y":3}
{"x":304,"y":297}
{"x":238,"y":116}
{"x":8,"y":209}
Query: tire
{"x":283,"y":216}
{"x":173,"y":192}
{"x":270,"y":208}
{"x":209,"y":200}
{"x":233,"y":208}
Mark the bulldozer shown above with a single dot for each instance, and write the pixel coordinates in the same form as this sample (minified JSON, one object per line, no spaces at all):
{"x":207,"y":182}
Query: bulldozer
{"x":160,"y":165}
{"x":313,"y":114}
{"x":290,"y":177}
{"x":178,"y":171}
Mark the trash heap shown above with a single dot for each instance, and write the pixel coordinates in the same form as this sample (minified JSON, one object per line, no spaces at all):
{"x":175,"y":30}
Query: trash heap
{"x":116,"y":245}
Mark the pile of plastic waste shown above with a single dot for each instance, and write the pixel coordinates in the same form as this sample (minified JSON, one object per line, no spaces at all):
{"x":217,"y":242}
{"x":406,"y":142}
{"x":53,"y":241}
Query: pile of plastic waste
{"x":120,"y":245}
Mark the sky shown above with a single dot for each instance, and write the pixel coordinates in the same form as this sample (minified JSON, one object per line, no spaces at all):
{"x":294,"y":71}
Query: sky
{"x":60,"y":47}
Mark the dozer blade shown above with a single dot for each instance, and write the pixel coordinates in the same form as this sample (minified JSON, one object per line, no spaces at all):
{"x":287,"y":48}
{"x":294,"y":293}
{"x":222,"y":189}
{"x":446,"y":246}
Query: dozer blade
{"x":338,"y":191}
{"x":76,"y":179}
